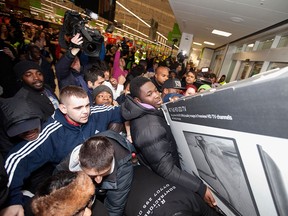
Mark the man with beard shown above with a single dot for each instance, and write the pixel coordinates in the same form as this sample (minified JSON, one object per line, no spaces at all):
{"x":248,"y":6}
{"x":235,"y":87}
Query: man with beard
{"x":33,"y":88}
{"x":34,"y":54}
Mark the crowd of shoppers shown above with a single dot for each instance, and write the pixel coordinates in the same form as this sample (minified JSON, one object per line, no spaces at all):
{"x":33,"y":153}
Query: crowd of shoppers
{"x":94,"y":120}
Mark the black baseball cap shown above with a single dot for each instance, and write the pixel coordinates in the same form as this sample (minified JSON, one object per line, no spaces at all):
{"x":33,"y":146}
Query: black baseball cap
{"x":173,"y":83}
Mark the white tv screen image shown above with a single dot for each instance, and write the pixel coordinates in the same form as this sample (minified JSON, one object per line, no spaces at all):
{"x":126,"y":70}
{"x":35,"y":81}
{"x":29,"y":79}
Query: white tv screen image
{"x":219,"y":164}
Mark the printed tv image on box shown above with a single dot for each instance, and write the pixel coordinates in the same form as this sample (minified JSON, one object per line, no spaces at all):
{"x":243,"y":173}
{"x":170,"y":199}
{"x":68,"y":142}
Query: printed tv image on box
{"x":219,"y":164}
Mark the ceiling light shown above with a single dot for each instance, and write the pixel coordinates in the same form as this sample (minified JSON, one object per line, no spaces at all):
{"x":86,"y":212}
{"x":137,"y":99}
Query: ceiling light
{"x":237,"y":19}
{"x":209,"y":43}
{"x":162,"y":35}
{"x":251,"y":45}
{"x":221,"y":33}
{"x":41,"y":10}
{"x":140,"y":20}
{"x":47,"y":5}
{"x":59,"y":5}
{"x":197,"y":43}
{"x":135,"y":30}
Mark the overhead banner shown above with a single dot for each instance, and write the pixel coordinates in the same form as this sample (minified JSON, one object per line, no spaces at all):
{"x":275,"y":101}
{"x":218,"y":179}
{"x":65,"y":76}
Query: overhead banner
{"x":235,"y":139}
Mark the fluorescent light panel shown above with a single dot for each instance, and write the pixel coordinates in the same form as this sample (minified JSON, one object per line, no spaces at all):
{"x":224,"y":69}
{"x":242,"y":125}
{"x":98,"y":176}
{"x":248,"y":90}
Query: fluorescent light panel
{"x":162,"y":35}
{"x":139,"y":19}
{"x":133,"y":14}
{"x":221,"y":33}
{"x":209,"y":43}
{"x":59,"y":5}
{"x":196,"y":43}
{"x":42,"y":10}
{"x":135,"y":30}
{"x":47,"y":5}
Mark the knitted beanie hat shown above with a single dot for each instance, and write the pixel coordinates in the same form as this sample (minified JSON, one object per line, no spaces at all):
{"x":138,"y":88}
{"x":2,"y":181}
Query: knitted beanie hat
{"x":101,"y":88}
{"x":23,"y":66}
{"x":204,"y":87}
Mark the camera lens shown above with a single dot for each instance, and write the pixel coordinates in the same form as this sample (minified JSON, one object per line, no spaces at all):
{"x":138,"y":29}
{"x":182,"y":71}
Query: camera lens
{"x":91,"y":47}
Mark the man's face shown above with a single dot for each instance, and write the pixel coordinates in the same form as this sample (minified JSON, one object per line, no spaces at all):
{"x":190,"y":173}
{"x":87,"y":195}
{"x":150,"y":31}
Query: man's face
{"x":106,"y":75}
{"x":33,"y":78}
{"x":162,"y":75}
{"x":35,"y":54}
{"x":76,"y":64}
{"x":173,"y":90}
{"x":104,"y":98}
{"x":97,"y":83}
{"x":30,"y":135}
{"x":179,"y":68}
{"x":150,"y":95}
{"x":97,"y":175}
{"x":76,"y":109}
{"x":113,"y":82}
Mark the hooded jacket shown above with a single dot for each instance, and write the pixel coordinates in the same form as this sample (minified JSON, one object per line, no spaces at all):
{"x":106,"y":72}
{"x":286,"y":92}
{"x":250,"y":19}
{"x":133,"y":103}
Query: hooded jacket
{"x":56,"y":140}
{"x":118,"y":183}
{"x":40,"y":99}
{"x":156,"y":146}
{"x":11,"y":115}
{"x":69,"y":76}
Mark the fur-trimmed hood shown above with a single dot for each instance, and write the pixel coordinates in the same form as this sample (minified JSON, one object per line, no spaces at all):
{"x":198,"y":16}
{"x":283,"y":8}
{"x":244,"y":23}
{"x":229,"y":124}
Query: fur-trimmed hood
{"x":67,"y":200}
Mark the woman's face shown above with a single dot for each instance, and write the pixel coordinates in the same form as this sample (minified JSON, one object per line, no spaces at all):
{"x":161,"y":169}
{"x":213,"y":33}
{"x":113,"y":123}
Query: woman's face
{"x":3,"y":28}
{"x":122,"y":62}
{"x":190,"y":78}
{"x":104,"y":98}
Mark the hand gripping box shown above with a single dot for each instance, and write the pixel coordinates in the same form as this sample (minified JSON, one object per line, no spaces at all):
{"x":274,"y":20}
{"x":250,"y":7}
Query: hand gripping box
{"x":235,"y":138}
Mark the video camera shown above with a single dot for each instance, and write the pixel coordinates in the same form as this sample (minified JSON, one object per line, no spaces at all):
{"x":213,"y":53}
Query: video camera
{"x":74,"y":23}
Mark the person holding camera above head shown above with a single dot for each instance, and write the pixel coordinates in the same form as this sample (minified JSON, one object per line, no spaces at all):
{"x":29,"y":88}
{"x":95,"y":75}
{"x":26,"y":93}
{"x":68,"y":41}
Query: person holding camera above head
{"x":70,"y":72}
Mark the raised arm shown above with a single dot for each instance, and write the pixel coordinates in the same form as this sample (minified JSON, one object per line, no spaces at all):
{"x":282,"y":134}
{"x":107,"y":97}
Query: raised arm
{"x":62,"y":67}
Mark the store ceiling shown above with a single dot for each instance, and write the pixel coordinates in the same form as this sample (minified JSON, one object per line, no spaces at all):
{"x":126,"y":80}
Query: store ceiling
{"x":200,"y":17}
{"x":239,"y":17}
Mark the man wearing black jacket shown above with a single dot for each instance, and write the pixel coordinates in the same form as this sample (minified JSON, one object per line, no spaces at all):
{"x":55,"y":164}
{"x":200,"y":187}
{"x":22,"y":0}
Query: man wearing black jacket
{"x":33,"y":88}
{"x":153,"y":138}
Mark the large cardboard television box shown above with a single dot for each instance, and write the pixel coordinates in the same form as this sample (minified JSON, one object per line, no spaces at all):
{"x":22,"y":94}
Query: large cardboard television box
{"x":235,"y":138}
